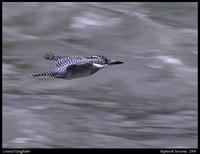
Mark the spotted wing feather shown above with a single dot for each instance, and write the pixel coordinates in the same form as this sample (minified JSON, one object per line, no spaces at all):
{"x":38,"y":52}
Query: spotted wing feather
{"x":69,"y":60}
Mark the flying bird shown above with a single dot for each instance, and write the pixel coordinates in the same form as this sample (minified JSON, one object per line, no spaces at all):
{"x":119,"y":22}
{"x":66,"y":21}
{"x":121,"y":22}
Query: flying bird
{"x":71,"y":67}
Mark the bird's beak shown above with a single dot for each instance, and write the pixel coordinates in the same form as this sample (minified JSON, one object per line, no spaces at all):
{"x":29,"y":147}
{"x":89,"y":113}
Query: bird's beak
{"x":115,"y":62}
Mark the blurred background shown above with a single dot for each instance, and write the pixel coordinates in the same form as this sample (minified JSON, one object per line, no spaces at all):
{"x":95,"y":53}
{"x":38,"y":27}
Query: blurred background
{"x":150,"y":101}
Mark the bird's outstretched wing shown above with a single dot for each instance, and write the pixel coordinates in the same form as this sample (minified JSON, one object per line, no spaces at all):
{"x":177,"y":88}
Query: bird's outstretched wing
{"x":67,"y":60}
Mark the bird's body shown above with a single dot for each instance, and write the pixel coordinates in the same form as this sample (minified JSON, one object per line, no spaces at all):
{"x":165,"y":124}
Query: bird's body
{"x":70,"y":67}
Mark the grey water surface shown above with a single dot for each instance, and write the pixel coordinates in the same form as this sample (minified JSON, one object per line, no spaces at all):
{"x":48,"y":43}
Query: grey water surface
{"x":150,"y":101}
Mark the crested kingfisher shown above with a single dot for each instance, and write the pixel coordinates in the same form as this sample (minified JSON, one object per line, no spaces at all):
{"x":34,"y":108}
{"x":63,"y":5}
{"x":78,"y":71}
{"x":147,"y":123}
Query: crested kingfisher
{"x":70,"y":67}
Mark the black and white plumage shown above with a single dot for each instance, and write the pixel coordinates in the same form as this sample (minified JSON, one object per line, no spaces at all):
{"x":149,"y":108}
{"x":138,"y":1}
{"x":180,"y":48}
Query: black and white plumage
{"x":70,"y":67}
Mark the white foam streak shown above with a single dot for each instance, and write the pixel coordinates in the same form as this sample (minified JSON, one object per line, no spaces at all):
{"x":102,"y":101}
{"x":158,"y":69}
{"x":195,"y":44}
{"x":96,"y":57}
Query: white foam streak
{"x":170,"y":60}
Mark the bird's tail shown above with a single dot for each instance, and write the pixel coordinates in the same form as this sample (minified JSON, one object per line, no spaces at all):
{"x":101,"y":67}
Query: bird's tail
{"x":51,"y":56}
{"x":49,"y":73}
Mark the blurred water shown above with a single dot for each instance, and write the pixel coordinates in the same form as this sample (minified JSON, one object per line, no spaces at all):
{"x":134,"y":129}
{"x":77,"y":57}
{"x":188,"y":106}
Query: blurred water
{"x":148,"y":102}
